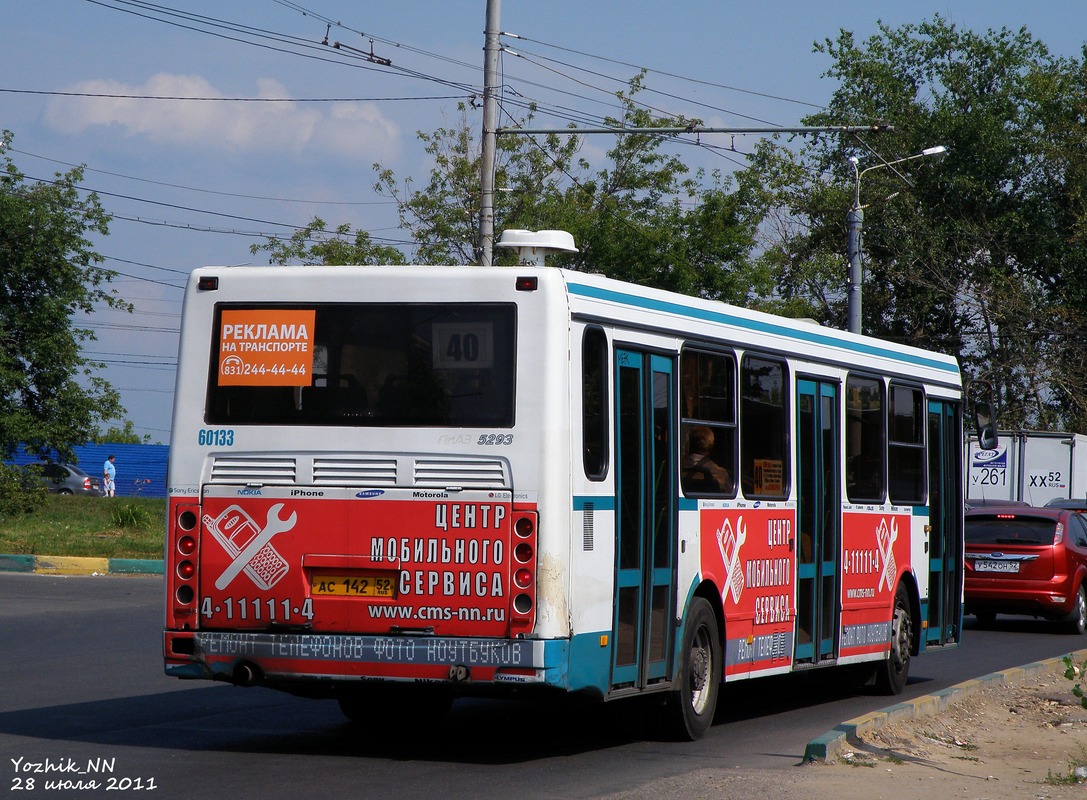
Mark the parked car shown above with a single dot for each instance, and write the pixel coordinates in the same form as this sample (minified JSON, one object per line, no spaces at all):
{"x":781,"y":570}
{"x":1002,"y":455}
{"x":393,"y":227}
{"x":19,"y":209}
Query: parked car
{"x":990,"y":502}
{"x":68,"y":479}
{"x":1024,"y":560}
{"x":1074,"y":503}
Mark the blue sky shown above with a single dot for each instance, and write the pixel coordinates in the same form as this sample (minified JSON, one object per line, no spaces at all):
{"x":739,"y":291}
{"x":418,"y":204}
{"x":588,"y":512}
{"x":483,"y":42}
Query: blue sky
{"x":197,"y":182}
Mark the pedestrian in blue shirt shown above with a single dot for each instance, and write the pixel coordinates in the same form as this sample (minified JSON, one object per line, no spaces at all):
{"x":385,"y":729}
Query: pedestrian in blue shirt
{"x":109,"y":477}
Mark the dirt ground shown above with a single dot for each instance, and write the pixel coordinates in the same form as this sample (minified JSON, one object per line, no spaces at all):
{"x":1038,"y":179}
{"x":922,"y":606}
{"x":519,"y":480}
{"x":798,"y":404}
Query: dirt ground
{"x":1017,"y":741}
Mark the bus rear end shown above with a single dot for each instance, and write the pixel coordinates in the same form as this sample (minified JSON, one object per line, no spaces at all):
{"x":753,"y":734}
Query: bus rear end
{"x":342,"y":484}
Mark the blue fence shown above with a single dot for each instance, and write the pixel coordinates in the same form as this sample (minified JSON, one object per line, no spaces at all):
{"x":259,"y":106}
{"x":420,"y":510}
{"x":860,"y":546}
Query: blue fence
{"x":141,"y":468}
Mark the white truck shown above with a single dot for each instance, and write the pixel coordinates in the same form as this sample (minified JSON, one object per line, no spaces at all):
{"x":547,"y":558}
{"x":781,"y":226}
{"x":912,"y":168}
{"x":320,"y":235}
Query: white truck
{"x":1028,"y":466}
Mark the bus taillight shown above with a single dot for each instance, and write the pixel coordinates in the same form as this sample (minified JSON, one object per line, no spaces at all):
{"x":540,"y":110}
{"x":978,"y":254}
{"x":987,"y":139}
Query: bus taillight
{"x":183,"y":558}
{"x":523,"y":607}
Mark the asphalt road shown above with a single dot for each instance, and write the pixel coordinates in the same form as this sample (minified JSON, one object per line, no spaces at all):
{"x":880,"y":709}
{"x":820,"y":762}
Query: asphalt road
{"x":82,"y":688}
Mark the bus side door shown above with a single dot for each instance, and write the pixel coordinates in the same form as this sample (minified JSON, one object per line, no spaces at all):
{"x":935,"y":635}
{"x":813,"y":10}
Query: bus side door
{"x":819,"y":516}
{"x":945,"y":524}
{"x":646,"y":519}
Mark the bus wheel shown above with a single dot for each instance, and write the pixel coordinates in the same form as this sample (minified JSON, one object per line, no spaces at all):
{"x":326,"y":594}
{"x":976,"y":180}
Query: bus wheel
{"x":892,"y":674}
{"x":698,"y":679}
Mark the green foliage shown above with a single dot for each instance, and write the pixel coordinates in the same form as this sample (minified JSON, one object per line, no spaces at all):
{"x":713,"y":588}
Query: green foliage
{"x":315,"y":244}
{"x":50,"y":396}
{"x":639,"y":217}
{"x":67,"y":525}
{"x":126,"y":434}
{"x":130,"y":515}
{"x":21,"y":491}
{"x":1074,"y":672}
{"x":981,"y":255}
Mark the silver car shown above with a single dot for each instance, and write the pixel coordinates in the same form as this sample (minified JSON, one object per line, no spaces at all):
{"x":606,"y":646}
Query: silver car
{"x":68,"y":479}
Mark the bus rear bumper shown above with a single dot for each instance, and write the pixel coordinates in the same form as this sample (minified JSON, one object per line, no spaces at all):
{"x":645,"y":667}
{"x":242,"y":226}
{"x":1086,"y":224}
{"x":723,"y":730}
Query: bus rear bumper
{"x":283,"y":660}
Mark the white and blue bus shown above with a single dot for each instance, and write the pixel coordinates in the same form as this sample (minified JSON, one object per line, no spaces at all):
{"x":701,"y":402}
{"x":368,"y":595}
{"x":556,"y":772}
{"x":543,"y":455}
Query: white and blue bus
{"x":396,"y":485}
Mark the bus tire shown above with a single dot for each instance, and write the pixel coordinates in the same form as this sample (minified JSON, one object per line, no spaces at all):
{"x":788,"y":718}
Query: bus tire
{"x":891,"y":675}
{"x":692,"y":703}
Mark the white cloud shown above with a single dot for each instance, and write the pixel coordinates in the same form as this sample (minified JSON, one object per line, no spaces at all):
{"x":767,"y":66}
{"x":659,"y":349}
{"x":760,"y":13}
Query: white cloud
{"x":354,"y":130}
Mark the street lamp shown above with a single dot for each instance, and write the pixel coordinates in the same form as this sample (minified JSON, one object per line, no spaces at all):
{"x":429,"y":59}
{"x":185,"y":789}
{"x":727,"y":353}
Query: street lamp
{"x":855,"y":221}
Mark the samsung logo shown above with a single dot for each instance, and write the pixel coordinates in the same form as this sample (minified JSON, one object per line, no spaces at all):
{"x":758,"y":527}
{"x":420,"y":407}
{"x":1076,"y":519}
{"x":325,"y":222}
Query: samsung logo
{"x":371,"y":493}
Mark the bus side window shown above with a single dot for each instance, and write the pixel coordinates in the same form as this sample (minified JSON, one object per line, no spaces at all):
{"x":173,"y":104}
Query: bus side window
{"x":865,"y":442}
{"x":764,"y":422}
{"x":594,"y":403}
{"x":708,"y":454}
{"x":906,"y":445}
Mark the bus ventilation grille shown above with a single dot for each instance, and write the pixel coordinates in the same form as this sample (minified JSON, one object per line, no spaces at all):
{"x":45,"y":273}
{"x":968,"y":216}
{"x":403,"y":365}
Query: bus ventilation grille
{"x":253,"y":469}
{"x":587,"y":542}
{"x":354,"y":471}
{"x":468,"y":473}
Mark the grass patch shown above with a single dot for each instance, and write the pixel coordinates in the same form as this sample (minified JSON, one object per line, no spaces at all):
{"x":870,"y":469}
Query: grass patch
{"x":1077,"y":771}
{"x":102,"y":527}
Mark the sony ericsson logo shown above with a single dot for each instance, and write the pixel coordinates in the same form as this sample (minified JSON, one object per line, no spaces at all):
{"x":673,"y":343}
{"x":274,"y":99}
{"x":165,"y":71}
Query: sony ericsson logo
{"x":370,"y":493}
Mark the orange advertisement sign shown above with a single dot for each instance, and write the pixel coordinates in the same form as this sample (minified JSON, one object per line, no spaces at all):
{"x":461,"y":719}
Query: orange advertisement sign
{"x":266,"y":347}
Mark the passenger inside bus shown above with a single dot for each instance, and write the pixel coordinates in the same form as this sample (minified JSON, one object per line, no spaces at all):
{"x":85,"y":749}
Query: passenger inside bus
{"x":700,"y":472}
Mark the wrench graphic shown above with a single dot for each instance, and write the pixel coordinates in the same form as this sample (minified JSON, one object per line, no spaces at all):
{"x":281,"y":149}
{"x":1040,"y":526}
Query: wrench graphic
{"x":272,"y":527}
{"x":729,"y":544}
{"x":886,"y":545}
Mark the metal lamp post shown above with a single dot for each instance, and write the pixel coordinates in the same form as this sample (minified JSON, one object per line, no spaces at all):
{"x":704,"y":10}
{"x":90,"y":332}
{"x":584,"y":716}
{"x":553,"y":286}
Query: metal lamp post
{"x":855,"y":222}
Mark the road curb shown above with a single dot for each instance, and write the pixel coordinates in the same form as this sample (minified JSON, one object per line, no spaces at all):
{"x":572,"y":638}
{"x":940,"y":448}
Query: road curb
{"x":827,"y":747}
{"x":69,"y":565}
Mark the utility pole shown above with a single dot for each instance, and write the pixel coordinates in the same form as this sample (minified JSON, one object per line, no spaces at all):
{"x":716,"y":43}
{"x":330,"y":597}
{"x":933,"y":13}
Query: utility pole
{"x":854,"y":221}
{"x":490,"y":136}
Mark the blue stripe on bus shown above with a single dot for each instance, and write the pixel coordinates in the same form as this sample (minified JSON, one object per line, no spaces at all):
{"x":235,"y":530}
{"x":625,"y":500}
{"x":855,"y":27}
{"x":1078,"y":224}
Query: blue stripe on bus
{"x":813,"y":336}
{"x":607,"y":502}
{"x":599,"y":502}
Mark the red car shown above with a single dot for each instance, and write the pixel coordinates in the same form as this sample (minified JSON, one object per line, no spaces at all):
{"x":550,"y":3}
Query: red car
{"x":1024,"y":560}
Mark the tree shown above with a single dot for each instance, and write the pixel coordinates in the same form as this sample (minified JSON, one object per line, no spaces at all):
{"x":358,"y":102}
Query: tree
{"x":126,"y":434}
{"x":640,"y":217}
{"x":980,"y":256}
{"x":50,"y":396}
{"x":315,"y":244}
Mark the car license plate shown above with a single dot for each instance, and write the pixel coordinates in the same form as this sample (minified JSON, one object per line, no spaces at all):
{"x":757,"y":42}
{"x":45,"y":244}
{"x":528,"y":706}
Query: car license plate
{"x":996,"y":566}
{"x":358,"y":585}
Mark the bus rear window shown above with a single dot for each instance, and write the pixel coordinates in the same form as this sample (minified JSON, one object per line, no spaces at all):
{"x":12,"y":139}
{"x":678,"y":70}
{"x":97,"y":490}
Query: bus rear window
{"x":376,"y":364}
